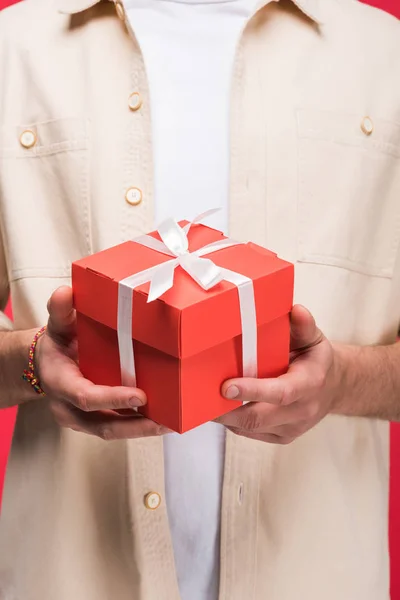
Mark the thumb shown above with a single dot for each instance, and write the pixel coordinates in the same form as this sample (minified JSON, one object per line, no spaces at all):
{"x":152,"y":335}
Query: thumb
{"x":61,"y":313}
{"x":304,"y":332}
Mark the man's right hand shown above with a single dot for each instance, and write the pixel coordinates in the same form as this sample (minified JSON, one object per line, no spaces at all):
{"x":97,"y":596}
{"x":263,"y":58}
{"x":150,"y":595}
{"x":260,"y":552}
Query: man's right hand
{"x":76,"y":402}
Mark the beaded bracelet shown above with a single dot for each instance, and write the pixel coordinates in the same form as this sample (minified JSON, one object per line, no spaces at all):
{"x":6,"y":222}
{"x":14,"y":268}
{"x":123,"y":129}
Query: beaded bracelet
{"x":29,"y":373}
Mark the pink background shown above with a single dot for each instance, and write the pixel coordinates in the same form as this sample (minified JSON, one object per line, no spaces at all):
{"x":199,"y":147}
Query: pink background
{"x":7,"y":417}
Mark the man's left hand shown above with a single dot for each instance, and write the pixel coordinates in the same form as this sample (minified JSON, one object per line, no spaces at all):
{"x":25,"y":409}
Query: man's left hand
{"x":283,"y":408}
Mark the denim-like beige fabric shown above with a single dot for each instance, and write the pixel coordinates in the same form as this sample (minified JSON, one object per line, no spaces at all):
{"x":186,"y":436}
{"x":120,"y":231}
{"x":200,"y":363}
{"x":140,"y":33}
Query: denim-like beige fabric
{"x":306,"y":521}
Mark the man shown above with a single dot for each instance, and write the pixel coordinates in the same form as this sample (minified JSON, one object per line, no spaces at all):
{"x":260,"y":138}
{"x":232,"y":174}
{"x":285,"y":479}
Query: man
{"x":287,"y":115}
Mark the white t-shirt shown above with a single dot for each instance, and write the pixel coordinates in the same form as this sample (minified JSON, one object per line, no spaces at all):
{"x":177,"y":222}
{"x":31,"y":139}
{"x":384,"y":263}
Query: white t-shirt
{"x":188,"y":48}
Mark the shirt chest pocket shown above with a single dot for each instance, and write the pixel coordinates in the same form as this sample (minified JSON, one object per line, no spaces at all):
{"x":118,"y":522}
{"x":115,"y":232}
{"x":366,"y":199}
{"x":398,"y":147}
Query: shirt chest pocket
{"x":348,"y":191}
{"x":44,"y":179}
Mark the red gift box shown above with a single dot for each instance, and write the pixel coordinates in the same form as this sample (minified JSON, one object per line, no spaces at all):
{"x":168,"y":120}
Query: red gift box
{"x":189,"y":341}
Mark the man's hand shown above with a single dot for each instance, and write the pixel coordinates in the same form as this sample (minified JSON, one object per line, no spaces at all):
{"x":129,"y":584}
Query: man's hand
{"x":76,"y":402}
{"x":283,"y":408}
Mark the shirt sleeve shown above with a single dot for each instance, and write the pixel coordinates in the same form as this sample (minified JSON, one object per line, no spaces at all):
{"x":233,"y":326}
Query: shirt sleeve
{"x":5,"y":322}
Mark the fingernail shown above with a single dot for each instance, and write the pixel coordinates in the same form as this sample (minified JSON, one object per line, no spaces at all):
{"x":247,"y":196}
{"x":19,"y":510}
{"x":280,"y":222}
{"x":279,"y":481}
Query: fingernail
{"x":135,"y":402}
{"x":232,"y":392}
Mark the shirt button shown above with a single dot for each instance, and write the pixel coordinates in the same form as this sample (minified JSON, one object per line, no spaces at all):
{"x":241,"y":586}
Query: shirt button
{"x":120,"y":10}
{"x":152,"y":500}
{"x":27,"y":138}
{"x":134,"y":196}
{"x":135,"y":101}
{"x":367,"y":125}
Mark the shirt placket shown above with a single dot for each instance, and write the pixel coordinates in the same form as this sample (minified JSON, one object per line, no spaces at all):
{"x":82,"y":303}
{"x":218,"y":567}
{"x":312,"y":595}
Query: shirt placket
{"x":240,"y":498}
{"x":152,"y":548}
{"x":239,"y":519}
{"x":138,"y":214}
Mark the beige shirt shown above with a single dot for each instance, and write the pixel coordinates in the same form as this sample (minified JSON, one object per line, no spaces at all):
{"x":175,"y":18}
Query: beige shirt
{"x":309,"y":180}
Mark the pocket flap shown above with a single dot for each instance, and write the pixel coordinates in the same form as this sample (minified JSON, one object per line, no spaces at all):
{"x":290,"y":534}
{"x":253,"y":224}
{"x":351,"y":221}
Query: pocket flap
{"x":49,"y":137}
{"x":344,"y":128}
{"x":349,"y":183}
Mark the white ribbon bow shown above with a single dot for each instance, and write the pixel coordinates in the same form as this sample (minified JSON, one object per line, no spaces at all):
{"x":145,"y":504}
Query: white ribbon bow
{"x":203,"y":271}
{"x":175,"y":243}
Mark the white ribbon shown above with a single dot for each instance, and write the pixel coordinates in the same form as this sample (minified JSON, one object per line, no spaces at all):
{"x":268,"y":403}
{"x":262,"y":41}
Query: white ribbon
{"x":203,"y":271}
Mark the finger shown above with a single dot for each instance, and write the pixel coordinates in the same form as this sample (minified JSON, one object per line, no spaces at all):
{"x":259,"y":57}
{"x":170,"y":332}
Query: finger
{"x":64,"y":380}
{"x":304,"y":332}
{"x":281,"y":391}
{"x":105,"y":426}
{"x":262,"y":418}
{"x":125,"y":412}
{"x":61,"y":313}
{"x":292,"y":431}
{"x":263,"y":437}
{"x":89,"y":397}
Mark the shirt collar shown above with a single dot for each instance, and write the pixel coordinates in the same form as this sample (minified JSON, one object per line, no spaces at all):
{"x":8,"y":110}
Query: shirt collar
{"x":311,"y":8}
{"x":73,"y":7}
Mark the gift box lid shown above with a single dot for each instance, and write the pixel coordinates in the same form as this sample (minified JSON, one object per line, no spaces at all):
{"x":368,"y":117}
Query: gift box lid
{"x":186,"y":319}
